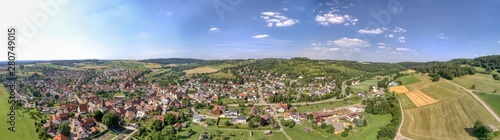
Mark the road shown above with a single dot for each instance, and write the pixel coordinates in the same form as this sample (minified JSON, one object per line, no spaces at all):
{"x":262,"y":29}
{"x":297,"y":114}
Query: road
{"x":400,"y":136}
{"x":477,"y":99}
{"x":80,"y":101}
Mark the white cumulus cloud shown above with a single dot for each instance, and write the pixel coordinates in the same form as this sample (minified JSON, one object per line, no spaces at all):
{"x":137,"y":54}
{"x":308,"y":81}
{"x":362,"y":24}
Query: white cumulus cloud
{"x":213,"y":29}
{"x":399,"y":30}
{"x":260,"y":36}
{"x":277,"y":19}
{"x":332,"y":18}
{"x":381,"y":47}
{"x":372,"y":31}
{"x":402,"y":49}
{"x":402,"y":39}
{"x":350,"y":42}
{"x":442,"y":36}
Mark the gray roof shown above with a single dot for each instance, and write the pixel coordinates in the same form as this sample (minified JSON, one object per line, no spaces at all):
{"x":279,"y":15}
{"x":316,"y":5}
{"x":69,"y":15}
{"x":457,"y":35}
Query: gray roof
{"x":197,"y":117}
{"x":338,"y":126}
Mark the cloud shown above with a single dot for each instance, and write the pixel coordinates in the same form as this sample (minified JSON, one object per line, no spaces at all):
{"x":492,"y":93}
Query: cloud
{"x":350,"y":42}
{"x":442,"y":36}
{"x":403,"y":49}
{"x":372,"y":31}
{"x":325,"y":49}
{"x":214,"y":29}
{"x":399,"y":30}
{"x":390,"y":36}
{"x":402,"y":39}
{"x":381,"y":47}
{"x":277,"y":19}
{"x":260,"y":36}
{"x":284,"y":9}
{"x":381,"y":43}
{"x":331,"y":18}
{"x":498,"y":42}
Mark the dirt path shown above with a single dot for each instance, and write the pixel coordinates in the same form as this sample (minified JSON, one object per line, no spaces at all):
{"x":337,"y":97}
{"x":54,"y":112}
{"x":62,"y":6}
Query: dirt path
{"x":400,"y":136}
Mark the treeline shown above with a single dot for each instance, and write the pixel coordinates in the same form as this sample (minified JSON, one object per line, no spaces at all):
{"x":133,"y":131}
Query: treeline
{"x":447,"y":70}
{"x":385,"y":105}
{"x":173,"y":60}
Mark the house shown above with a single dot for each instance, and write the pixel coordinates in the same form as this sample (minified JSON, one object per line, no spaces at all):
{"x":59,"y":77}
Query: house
{"x":339,"y":127}
{"x":393,"y":84}
{"x":282,"y":107}
{"x":88,"y":122}
{"x":254,"y":110}
{"x":232,"y":112}
{"x":239,"y":119}
{"x":60,"y":137}
{"x":197,"y":118}
{"x":83,"y":109}
{"x":219,"y":110}
{"x":267,"y":132}
{"x":286,"y":115}
{"x":267,"y":108}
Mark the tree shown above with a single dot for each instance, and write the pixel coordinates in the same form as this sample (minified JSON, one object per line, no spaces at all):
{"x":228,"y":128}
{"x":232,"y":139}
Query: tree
{"x":263,"y":122}
{"x":97,"y":115}
{"x":251,"y":125}
{"x":169,"y":133}
{"x":365,"y":123}
{"x":157,"y":125}
{"x":482,"y":132}
{"x":227,"y":123}
{"x":344,"y":134}
{"x":110,"y":120}
{"x":170,"y":119}
{"x":473,"y":87}
{"x":64,"y":129}
{"x":495,"y":91}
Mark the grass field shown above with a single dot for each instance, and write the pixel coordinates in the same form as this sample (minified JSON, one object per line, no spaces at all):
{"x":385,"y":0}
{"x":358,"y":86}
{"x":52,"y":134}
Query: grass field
{"x":120,"y":94}
{"x":409,"y":79}
{"x":445,"y":120}
{"x":375,"y":122}
{"x":222,"y":75}
{"x":491,"y":100}
{"x":409,"y":71}
{"x":200,"y":70}
{"x":257,"y":134}
{"x":25,"y":129}
{"x":363,"y":86}
{"x":406,"y":102}
{"x":320,"y":106}
{"x":483,"y":82}
{"x":449,"y":118}
{"x":440,"y":90}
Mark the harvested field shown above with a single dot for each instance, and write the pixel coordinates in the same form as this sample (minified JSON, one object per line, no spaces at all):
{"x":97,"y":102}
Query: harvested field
{"x":200,"y":70}
{"x":448,"y":119}
{"x":153,"y":65}
{"x":419,"y":98}
{"x":399,"y":89}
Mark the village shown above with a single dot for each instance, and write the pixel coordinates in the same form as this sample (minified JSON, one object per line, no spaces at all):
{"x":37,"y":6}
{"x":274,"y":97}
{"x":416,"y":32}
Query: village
{"x":73,"y":96}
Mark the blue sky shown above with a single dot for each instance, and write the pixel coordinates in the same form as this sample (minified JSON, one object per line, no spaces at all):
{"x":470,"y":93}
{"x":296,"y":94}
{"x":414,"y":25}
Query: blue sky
{"x":362,"y":30}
